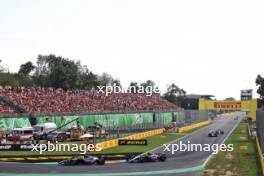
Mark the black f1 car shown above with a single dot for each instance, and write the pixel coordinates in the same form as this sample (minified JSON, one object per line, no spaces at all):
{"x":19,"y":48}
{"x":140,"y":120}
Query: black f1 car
{"x":215,"y":133}
{"x":148,"y":157}
{"x":83,"y":160}
{"x":212,"y":134}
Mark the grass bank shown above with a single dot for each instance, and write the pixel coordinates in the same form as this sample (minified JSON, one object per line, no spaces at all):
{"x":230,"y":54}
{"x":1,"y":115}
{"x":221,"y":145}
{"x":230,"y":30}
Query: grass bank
{"x":242,"y":161}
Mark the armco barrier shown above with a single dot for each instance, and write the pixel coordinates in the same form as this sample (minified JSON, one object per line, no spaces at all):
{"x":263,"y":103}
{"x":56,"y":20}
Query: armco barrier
{"x":260,"y":156}
{"x":196,"y":125}
{"x":114,"y":142}
{"x":35,"y":158}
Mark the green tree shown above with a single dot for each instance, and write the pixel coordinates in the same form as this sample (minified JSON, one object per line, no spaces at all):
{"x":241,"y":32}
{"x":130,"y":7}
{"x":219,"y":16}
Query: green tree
{"x":134,"y":87}
{"x":1,"y":67}
{"x":86,"y":78}
{"x":26,"y":68}
{"x":105,"y":79}
{"x":260,"y":83}
{"x":63,"y":72}
{"x":56,"y":72}
{"x":174,"y":94}
{"x":42,"y":72}
{"x":23,"y":74}
{"x":7,"y":79}
{"x":117,"y":82}
{"x":148,"y":84}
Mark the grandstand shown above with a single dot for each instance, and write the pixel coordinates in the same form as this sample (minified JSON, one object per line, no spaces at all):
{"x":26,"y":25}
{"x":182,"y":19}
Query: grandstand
{"x":53,"y":101}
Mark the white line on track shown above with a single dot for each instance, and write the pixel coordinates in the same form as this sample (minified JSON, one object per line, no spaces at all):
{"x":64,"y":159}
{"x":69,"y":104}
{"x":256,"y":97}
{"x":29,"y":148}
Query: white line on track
{"x":227,"y":136}
{"x":171,"y":142}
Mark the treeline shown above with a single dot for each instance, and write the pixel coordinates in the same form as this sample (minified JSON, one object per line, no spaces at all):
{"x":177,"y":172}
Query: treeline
{"x":58,"y":72}
{"x":260,"y":83}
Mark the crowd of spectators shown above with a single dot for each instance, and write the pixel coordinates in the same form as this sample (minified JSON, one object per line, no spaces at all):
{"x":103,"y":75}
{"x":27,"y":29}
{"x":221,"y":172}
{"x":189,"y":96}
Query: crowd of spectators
{"x":50,"y":100}
{"x":5,"y":109}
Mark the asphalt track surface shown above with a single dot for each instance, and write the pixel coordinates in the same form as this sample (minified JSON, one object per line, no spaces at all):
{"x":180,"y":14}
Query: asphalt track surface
{"x":179,"y":163}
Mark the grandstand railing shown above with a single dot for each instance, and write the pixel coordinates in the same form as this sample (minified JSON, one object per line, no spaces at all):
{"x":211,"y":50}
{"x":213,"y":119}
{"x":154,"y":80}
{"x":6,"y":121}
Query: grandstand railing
{"x":26,"y":115}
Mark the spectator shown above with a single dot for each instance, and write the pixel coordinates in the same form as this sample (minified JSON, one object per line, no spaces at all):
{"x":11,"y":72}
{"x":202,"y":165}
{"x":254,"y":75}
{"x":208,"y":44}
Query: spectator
{"x":50,"y":100}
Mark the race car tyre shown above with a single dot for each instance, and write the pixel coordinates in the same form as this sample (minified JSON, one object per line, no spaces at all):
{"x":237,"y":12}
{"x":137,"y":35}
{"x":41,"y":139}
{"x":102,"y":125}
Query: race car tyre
{"x":130,"y":156}
{"x":141,"y":160}
{"x":100,"y":161}
{"x":162,"y":158}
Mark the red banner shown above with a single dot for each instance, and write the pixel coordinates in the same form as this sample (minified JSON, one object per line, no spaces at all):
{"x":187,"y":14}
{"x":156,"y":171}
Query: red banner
{"x":227,"y":105}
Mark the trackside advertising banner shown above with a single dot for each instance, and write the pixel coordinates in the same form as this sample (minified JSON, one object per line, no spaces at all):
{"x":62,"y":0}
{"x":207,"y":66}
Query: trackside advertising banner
{"x":16,"y":147}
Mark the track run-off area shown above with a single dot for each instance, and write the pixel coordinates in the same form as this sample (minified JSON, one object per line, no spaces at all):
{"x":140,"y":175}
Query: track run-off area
{"x":179,"y":163}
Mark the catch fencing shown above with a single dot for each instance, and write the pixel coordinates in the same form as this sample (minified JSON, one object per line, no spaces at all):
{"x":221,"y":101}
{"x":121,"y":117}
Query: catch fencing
{"x":115,"y":125}
{"x":149,"y":120}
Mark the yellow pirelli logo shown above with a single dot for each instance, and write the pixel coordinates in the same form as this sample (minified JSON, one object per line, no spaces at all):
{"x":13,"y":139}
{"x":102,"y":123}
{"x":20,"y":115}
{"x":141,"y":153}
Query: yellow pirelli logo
{"x":132,"y":142}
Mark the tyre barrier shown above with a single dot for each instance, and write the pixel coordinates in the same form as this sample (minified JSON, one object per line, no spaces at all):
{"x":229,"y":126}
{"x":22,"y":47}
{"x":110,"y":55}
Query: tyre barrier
{"x":32,"y":159}
{"x":193,"y":126}
{"x":50,"y":158}
{"x":114,"y":142}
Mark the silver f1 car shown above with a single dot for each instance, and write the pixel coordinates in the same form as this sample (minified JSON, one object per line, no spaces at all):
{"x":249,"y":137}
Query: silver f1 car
{"x":219,"y":131}
{"x":148,"y":157}
{"x":83,"y":160}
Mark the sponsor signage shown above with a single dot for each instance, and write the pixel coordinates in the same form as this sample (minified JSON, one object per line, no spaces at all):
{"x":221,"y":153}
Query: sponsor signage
{"x":15,"y":147}
{"x":227,"y":105}
{"x":132,"y":142}
{"x":246,"y":94}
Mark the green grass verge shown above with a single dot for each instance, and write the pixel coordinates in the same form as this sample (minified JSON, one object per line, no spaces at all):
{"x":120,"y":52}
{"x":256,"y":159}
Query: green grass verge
{"x":153,"y":142}
{"x":242,"y":161}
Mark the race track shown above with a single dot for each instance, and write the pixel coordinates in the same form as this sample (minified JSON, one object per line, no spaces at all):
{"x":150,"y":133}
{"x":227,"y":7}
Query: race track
{"x":182,"y":163}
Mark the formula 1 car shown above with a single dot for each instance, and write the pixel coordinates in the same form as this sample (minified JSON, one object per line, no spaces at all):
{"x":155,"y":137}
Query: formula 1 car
{"x":148,"y":157}
{"x":219,"y":131}
{"x":83,"y":160}
{"x":212,"y":134}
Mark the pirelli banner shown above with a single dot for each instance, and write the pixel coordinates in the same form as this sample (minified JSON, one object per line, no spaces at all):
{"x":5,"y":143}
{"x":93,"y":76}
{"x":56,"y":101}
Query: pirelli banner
{"x":227,"y":105}
{"x":245,"y":105}
{"x":132,"y":142}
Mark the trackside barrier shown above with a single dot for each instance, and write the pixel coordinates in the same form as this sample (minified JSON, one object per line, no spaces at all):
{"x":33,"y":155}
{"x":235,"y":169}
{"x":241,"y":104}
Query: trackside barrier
{"x":260,"y":156}
{"x":114,"y":142}
{"x":196,"y":125}
{"x":35,"y":158}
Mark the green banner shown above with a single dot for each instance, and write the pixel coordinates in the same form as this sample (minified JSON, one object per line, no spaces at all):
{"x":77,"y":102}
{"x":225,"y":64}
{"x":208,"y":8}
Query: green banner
{"x":11,"y":123}
{"x":107,"y":120}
